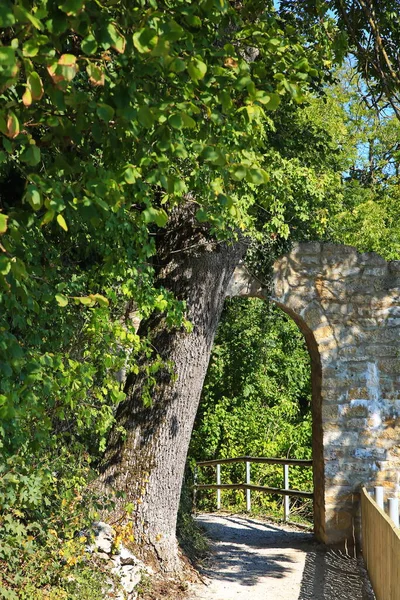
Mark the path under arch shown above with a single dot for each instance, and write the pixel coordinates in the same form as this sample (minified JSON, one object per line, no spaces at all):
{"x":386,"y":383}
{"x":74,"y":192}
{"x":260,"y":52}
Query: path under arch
{"x":258,"y":560}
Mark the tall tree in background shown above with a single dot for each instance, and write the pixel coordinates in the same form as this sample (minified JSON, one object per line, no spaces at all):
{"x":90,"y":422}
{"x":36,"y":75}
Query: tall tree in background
{"x":372,"y":29}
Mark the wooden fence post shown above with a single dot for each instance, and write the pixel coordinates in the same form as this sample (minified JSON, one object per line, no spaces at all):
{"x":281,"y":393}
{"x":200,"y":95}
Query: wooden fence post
{"x":218,"y":483}
{"x":195,"y":475}
{"x":379,"y":496}
{"x":286,"y":500}
{"x":248,"y":492}
{"x":394,"y":510}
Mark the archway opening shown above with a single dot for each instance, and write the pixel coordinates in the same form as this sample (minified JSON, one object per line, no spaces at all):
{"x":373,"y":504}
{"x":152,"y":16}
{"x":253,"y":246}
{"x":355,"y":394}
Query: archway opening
{"x":261,"y":397}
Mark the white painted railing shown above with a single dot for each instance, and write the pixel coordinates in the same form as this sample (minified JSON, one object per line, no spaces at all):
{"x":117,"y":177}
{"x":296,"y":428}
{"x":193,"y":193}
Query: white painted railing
{"x":286,"y":492}
{"x":392,"y":504}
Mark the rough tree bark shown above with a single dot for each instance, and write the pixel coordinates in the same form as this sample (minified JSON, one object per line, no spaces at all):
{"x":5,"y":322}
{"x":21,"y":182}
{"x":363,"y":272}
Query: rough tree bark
{"x":148,"y":465}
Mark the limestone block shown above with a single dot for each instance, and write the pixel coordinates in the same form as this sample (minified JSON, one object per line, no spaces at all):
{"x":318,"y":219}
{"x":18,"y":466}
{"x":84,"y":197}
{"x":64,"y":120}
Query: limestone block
{"x":337,"y":520}
{"x":329,"y":413}
{"x":389,"y":365}
{"x":306,"y":249}
{"x":122,"y":563}
{"x":354,"y":409}
{"x":280,"y":289}
{"x":334,"y":436}
{"x":104,"y":536}
{"x":339,"y":494}
{"x":370,"y":454}
{"x":298,"y":280}
{"x":324,"y":333}
{"x":370,"y":271}
{"x":371,"y":259}
{"x":130,"y":577}
{"x":383,"y":350}
{"x":338,"y":271}
{"x":127,"y":557}
{"x":310,"y":260}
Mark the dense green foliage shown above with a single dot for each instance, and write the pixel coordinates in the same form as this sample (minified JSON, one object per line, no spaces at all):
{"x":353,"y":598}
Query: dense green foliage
{"x":256,"y":400}
{"x":110,"y":115}
{"x":369,"y":215}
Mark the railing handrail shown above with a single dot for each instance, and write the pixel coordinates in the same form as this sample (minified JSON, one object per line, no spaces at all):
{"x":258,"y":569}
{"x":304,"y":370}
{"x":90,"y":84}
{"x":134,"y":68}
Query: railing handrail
{"x":286,"y":492}
{"x":254,"y":488}
{"x":257,"y":459}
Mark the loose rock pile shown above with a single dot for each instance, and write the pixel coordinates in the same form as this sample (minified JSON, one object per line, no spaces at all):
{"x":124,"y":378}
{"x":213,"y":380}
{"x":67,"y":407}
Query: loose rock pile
{"x":127,"y":570}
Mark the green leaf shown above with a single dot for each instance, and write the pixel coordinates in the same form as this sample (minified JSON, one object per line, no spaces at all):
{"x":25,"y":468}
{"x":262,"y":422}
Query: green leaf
{"x":145,"y":116}
{"x":7,"y":18}
{"x":117,"y":40}
{"x":214,"y":156}
{"x":31,"y":48}
{"x":181,"y":120}
{"x":172,"y":31}
{"x":188,"y":122}
{"x":176,"y":121}
{"x":35,"y":85}
{"x":273,"y":102}
{"x":145,"y":39}
{"x":31,"y":156}
{"x":239,"y":173}
{"x":3,"y":223}
{"x":197,"y":69}
{"x":154,"y":215}
{"x":257,"y":176}
{"x":89,"y":44}
{"x":48,"y":217}
{"x":33,"y":197}
{"x":5,"y":264}
{"x":72,"y":7}
{"x":177,"y":65}
{"x":131,"y":174}
{"x":201,"y":215}
{"x":61,"y":222}
{"x":85,"y":300}
{"x":96,"y":74}
{"x":27,"y":97}
{"x":22,"y":15}
{"x":61,"y":300}
{"x":302,"y":65}
{"x":102,"y":300}
{"x":105,"y":112}
{"x":8,"y":62}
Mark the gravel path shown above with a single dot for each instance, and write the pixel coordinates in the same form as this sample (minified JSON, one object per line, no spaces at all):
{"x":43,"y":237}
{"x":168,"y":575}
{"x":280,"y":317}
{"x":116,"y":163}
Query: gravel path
{"x":256,"y":560}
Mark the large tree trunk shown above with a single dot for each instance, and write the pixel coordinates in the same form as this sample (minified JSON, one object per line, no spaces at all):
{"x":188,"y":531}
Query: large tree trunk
{"x":148,"y":465}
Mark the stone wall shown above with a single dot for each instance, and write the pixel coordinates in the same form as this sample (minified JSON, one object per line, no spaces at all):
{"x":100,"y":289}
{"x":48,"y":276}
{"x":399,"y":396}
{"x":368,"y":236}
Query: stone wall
{"x":347,"y":305}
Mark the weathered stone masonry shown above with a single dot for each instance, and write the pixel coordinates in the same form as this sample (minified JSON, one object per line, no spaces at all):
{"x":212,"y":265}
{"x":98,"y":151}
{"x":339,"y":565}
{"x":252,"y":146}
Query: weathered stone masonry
{"x":347,"y":305}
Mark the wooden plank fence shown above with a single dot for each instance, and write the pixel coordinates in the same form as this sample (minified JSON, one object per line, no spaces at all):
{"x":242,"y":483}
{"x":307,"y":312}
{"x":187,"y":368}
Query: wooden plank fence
{"x":286,"y":492}
{"x":381,"y":549}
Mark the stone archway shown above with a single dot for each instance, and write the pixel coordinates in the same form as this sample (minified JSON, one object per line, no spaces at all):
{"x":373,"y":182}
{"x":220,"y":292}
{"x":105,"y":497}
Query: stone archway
{"x":347,"y":305}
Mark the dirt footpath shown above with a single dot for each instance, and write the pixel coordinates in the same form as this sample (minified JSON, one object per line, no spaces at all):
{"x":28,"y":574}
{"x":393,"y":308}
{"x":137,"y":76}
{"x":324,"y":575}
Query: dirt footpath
{"x":256,"y":560}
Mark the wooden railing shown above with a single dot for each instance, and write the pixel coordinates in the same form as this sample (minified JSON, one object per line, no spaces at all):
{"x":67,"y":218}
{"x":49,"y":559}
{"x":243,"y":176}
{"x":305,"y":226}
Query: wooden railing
{"x":286,"y":492}
{"x":381,"y":548}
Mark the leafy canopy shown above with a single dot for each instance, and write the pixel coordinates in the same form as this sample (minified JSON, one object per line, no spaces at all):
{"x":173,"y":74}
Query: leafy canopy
{"x":110,"y":115}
